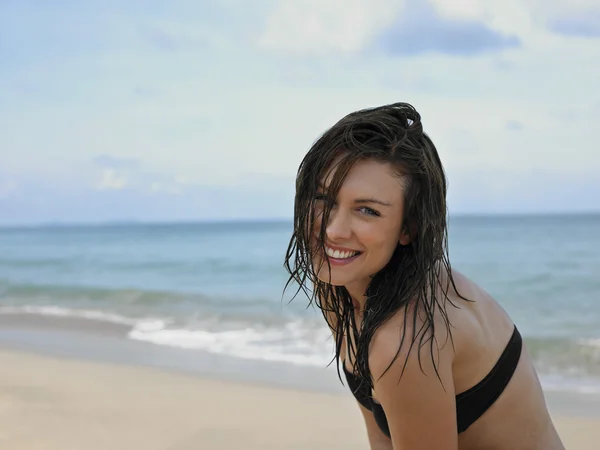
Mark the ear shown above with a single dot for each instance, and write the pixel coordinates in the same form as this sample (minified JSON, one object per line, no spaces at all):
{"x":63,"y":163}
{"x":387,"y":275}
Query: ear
{"x":404,"y":239}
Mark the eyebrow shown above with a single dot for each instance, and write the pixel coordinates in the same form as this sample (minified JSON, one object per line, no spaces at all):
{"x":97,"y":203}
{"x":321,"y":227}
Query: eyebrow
{"x":371,"y":200}
{"x":364,"y":200}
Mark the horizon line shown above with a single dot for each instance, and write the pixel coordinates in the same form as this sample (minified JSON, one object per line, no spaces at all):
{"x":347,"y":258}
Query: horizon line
{"x":163,"y":222}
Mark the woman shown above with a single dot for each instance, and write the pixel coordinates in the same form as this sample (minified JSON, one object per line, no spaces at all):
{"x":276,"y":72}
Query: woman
{"x":433,"y":361}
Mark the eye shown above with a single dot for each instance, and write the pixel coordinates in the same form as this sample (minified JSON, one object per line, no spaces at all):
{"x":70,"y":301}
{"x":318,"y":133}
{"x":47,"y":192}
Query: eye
{"x":320,"y":197}
{"x":369,"y":212}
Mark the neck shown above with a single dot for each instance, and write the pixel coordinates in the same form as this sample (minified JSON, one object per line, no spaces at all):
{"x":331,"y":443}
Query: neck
{"x":357,"y":293}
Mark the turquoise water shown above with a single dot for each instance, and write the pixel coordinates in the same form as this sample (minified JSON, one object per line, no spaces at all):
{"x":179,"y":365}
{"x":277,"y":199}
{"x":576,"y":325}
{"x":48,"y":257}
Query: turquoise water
{"x":218,"y":287}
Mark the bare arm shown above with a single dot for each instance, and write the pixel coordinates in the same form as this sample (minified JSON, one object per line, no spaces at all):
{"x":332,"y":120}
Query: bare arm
{"x":419,"y":403}
{"x":377,"y":439}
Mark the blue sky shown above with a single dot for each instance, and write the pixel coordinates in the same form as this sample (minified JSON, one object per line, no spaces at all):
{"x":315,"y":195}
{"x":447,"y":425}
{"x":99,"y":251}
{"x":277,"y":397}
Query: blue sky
{"x":187,"y":110}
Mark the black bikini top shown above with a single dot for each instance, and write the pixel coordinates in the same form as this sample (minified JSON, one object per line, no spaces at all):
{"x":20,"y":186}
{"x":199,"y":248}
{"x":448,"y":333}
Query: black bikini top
{"x":471,"y":404}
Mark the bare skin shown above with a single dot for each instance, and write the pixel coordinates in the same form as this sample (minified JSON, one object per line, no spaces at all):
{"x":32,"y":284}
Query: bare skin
{"x":421,"y":415}
{"x":364,"y":228}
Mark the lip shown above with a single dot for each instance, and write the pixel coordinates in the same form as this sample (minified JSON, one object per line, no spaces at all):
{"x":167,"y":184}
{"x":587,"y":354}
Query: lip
{"x":344,"y":261}
{"x":341,"y":249}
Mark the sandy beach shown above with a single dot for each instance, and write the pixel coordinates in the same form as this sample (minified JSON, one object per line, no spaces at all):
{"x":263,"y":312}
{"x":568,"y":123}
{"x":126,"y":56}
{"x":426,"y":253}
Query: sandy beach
{"x":49,"y":403}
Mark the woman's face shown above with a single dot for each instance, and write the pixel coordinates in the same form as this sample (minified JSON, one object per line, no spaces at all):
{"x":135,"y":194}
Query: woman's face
{"x":364,"y":227}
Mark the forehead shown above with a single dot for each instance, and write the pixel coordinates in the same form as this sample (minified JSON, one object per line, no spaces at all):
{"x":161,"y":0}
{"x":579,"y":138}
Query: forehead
{"x":369,"y":178}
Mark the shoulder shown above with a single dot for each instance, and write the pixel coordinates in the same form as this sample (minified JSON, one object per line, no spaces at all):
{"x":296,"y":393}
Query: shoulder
{"x":411,"y":367}
{"x":407,"y":337}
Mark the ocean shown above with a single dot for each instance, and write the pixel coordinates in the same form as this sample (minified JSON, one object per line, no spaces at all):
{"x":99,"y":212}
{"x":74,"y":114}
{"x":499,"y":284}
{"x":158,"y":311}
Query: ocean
{"x":218,"y":287}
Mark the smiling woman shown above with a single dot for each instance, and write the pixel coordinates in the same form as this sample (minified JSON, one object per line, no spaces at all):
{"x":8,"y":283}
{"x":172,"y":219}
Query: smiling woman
{"x":433,"y":361}
{"x":370,"y":207}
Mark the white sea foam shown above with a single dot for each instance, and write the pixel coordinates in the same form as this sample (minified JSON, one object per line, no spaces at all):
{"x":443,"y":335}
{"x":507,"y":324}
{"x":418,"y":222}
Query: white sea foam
{"x":590,"y":342}
{"x":291,"y":343}
{"x":297,"y":342}
{"x":58,"y":311}
{"x":582,"y":385}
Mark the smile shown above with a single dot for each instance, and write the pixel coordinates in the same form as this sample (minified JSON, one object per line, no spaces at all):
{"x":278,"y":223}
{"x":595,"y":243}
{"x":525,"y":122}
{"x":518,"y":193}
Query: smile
{"x":341,"y":254}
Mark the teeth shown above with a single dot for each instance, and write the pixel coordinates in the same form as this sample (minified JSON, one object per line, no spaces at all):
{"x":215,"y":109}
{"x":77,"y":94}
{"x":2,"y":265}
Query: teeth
{"x":339,"y":254}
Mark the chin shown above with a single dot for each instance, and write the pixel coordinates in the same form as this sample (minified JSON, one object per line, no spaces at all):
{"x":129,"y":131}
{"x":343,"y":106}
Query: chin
{"x":339,"y":277}
{"x":334,"y":281}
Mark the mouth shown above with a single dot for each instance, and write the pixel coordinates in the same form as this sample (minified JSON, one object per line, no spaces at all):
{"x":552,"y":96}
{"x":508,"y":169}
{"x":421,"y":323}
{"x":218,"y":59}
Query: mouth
{"x":341,"y":256}
{"x":340,"y":253}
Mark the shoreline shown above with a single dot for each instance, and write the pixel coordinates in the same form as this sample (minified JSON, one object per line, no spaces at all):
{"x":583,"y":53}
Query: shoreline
{"x":89,"y":340}
{"x":50,"y":402}
{"x":74,"y":384}
{"x":81,"y":339}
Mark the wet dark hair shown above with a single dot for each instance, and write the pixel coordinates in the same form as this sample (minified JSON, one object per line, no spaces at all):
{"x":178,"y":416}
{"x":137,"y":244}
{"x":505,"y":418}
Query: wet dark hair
{"x":411,"y":279}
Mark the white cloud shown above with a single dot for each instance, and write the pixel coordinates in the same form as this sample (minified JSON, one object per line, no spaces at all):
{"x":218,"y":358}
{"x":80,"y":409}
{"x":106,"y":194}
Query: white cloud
{"x":111,"y":180}
{"x":464,"y":9}
{"x":553,"y":7}
{"x":185,"y":105}
{"x":119,"y":173}
{"x":7,"y":187}
{"x":510,"y":16}
{"x":156,"y":187}
{"x":326,"y":26}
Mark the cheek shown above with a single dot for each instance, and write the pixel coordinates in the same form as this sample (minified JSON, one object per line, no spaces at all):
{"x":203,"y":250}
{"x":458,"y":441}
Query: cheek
{"x":384,"y":253}
{"x":315,"y":227}
{"x":317,"y":215}
{"x":382,"y":244}
{"x":313,"y":232}
{"x":317,"y":224}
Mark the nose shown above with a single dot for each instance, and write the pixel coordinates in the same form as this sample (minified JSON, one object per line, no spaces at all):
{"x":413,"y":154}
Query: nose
{"x":338,"y":227}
